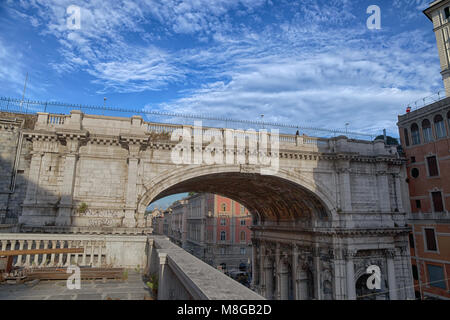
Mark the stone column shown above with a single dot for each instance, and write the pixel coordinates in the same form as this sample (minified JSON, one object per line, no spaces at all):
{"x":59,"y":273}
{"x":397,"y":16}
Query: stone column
{"x":344,"y":186}
{"x":30,"y":201}
{"x":398,"y":192}
{"x":384,"y":199}
{"x":33,"y":177}
{"x":316,"y":263}
{"x":268,"y":272}
{"x":294,"y":271}
{"x":130,"y":209}
{"x":254,"y":263}
{"x":351,"y":286}
{"x":284,"y":279}
{"x":65,"y":206}
{"x":390,"y":255}
{"x":303,"y":285}
{"x":262,"y":275}
{"x":277,"y":272}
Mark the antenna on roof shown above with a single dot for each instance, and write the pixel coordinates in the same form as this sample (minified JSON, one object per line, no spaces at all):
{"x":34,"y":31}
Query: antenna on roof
{"x":23,"y":93}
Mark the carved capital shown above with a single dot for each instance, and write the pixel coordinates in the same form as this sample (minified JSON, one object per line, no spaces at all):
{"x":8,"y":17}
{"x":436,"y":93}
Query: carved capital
{"x":350,"y":253}
{"x":390,"y":253}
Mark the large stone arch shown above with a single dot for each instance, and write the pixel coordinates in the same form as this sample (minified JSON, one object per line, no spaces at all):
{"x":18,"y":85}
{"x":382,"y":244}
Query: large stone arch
{"x":297,"y":186}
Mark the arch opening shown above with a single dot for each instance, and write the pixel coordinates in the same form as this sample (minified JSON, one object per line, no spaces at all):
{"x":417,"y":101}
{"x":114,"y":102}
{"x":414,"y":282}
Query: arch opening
{"x":268,"y":198}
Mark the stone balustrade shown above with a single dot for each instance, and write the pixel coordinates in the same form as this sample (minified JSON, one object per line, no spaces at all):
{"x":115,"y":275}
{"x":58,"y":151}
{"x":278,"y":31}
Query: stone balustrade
{"x":99,"y":250}
{"x":181,"y":276}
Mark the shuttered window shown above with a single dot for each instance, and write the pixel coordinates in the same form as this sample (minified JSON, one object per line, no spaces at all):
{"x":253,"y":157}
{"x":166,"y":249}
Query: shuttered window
{"x":437,"y":201}
{"x":432,"y":166}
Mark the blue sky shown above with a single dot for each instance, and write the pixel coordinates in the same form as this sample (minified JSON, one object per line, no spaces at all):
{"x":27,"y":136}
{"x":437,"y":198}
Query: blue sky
{"x":308,"y":62}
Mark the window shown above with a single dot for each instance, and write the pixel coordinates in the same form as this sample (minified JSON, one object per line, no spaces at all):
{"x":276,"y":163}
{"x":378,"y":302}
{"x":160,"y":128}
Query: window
{"x":406,"y":136}
{"x":439,"y":127}
{"x":448,"y":119}
{"x":224,"y":207}
{"x":447,"y":12}
{"x":222,"y":250}
{"x":242,"y":222}
{"x":438,"y":204}
{"x":426,"y":131}
{"x":432,"y":166}
{"x":223,"y":236}
{"x":415,"y":172}
{"x":411,"y":241}
{"x":430,"y":238}
{"x":242,"y":236}
{"x":414,"y":272}
{"x":242,"y":251}
{"x":413,"y":159}
{"x":418,"y":204}
{"x":436,"y":276}
{"x":415,"y":134}
{"x":223,"y":222}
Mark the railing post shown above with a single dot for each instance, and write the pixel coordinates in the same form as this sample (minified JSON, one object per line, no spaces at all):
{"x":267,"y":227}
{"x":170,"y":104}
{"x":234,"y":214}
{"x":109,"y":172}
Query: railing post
{"x":19,"y":257}
{"x":162,"y":275}
{"x":44,"y":257}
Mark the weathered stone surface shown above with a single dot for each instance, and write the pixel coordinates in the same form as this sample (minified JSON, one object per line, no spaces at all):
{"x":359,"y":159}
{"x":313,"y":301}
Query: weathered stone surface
{"x":100,"y":173}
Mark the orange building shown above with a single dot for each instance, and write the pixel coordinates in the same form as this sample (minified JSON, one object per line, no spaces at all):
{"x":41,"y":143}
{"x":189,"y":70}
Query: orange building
{"x":425,"y":137}
{"x":213,"y":228}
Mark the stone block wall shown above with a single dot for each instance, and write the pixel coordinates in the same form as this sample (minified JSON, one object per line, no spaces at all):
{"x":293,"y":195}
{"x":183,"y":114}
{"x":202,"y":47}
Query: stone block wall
{"x":14,"y":164}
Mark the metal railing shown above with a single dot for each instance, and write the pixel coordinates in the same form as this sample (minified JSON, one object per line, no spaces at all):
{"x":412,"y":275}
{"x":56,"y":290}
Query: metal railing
{"x":438,"y":96}
{"x":172,"y":118}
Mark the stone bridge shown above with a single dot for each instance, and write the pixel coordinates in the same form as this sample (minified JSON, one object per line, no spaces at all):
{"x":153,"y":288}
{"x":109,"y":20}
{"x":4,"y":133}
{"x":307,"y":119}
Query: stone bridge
{"x":331,"y":207}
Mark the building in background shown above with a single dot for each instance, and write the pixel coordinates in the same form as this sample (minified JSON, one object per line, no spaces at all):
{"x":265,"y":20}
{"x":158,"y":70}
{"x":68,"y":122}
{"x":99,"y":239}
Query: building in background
{"x":424,"y":135}
{"x":178,"y":212}
{"x":213,"y":228}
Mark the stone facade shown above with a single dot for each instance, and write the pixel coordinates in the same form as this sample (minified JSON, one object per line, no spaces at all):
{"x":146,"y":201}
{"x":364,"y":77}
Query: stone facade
{"x":14,"y":164}
{"x":334,"y":194}
{"x":439,"y":13}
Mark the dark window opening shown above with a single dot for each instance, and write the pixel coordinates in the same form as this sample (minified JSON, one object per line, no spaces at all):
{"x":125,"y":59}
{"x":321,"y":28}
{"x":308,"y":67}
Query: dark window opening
{"x":414,"y":272}
{"x":413,"y":159}
{"x":430,"y":239}
{"x":417,"y":294}
{"x":415,"y":172}
{"x":432,"y":166}
{"x":447,"y":12}
{"x":418,"y":204}
{"x":411,"y":240}
{"x":437,"y":201}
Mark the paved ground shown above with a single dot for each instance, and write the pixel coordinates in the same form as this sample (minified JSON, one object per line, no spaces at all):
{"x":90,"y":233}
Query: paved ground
{"x":134,"y":288}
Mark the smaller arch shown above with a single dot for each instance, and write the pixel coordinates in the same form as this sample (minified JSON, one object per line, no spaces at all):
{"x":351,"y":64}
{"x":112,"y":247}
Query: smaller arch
{"x":439,"y":127}
{"x":415,"y":134}
{"x":427,"y":132}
